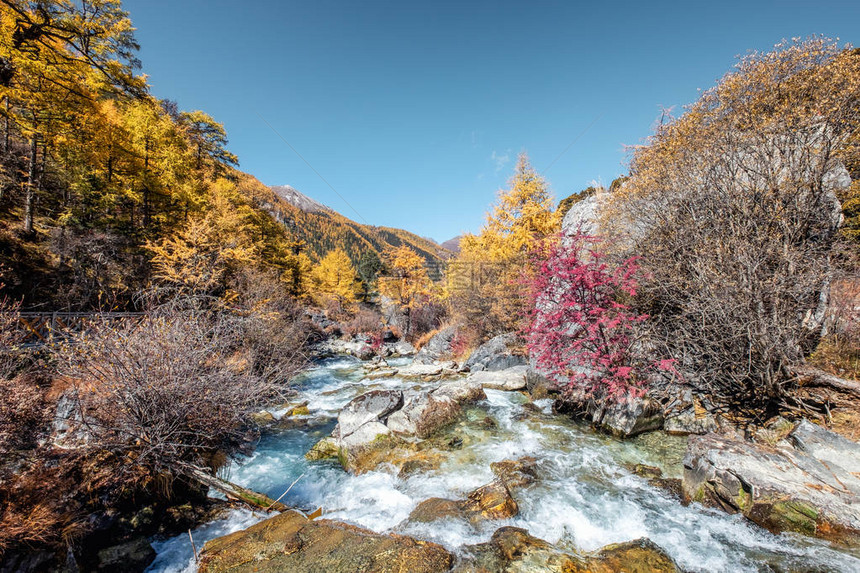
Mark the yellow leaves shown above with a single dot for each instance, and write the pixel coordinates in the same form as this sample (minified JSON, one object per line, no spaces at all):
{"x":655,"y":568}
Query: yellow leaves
{"x":406,"y":281}
{"x":335,"y":279}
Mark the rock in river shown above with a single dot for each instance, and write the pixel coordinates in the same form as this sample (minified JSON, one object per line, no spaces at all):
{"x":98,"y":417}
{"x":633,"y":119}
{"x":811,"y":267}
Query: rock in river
{"x":808,"y":483}
{"x":292,"y":542}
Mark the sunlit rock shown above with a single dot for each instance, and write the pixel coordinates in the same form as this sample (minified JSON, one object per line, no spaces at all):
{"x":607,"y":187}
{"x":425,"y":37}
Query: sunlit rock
{"x":292,"y":542}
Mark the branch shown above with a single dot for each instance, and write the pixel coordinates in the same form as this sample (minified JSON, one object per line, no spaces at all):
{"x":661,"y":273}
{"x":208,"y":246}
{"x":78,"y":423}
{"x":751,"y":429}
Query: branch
{"x":814,"y":377}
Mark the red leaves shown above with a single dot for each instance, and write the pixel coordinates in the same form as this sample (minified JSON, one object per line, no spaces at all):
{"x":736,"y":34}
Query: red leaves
{"x":581,"y":329}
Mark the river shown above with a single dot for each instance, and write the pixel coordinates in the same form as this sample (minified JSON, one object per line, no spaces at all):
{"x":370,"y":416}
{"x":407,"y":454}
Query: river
{"x":586,"y":497}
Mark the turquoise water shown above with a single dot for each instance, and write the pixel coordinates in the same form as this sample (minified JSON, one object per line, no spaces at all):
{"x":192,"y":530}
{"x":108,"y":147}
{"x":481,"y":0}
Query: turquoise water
{"x":586,"y":498}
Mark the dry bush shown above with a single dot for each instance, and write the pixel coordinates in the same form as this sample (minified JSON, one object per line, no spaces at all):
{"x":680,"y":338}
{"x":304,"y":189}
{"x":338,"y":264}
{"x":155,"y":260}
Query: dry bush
{"x":162,"y":393}
{"x":275,"y":332}
{"x":365,"y":321}
{"x":427,"y":316}
{"x":732,"y":209}
{"x":839,"y":351}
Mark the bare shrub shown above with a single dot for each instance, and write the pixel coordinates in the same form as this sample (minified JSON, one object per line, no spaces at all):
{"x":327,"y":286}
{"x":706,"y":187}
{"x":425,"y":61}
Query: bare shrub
{"x":365,"y":321}
{"x":163,"y":393}
{"x":732,"y":208}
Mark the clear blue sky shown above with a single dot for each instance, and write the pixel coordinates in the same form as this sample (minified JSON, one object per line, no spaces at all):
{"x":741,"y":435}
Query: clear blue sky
{"x":415,"y":111}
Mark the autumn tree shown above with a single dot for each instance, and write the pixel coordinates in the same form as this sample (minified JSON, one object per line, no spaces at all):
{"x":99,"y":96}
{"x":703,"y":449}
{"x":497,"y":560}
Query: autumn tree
{"x":485,"y":281}
{"x":406,"y":282}
{"x":733,"y":208}
{"x":335,"y":281}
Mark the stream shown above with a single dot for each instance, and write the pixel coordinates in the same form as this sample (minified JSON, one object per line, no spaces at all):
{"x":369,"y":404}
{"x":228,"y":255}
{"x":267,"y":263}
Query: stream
{"x":586,"y":496}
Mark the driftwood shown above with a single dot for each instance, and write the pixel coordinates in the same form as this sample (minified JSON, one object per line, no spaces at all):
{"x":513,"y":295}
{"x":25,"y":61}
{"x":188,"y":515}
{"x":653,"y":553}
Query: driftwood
{"x":236,"y":492}
{"x":810,"y":376}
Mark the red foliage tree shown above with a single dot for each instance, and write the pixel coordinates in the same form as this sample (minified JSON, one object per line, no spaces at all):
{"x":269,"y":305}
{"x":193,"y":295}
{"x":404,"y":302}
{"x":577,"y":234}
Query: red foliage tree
{"x":581,"y":331}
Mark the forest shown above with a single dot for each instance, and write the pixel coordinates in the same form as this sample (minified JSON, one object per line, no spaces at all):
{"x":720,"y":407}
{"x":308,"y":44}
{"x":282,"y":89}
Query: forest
{"x":722,"y":266}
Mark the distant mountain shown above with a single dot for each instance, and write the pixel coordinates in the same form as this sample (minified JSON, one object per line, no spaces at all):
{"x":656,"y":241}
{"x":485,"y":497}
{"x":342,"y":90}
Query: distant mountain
{"x":452,"y":245}
{"x":323,"y":229}
{"x":292,"y":196}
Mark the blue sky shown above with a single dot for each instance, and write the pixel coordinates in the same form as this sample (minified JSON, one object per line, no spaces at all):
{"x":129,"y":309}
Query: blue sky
{"x":415,"y":111}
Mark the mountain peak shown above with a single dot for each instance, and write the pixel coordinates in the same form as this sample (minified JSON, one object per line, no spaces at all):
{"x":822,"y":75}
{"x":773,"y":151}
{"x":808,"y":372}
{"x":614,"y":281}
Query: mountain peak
{"x":297,"y":199}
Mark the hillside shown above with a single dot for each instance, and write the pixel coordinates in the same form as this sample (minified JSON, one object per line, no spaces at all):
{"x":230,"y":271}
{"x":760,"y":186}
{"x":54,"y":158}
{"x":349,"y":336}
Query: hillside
{"x":321,"y":229}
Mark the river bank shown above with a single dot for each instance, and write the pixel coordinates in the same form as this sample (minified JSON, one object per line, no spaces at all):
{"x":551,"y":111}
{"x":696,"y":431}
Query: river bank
{"x":587,"y":493}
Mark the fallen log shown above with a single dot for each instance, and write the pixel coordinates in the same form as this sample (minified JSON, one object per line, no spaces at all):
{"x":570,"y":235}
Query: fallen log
{"x":236,"y":492}
{"x":810,"y":376}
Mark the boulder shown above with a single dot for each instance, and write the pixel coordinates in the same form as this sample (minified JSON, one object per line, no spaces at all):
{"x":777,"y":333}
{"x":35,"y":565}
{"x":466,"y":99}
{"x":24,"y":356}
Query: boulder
{"x":402,"y":348}
{"x":499,"y":353}
{"x":460,"y":391}
{"x":628,"y":417}
{"x":516,"y":473}
{"x":360,"y":451}
{"x":131,"y":556}
{"x":638,"y":556}
{"x":513,"y":549}
{"x":690,"y":421}
{"x":369,"y":407}
{"x":423,"y":415}
{"x":420,"y":371}
{"x":292,"y":542}
{"x":491,"y":501}
{"x":510,"y":379}
{"x":438,"y":347}
{"x":808,"y":483}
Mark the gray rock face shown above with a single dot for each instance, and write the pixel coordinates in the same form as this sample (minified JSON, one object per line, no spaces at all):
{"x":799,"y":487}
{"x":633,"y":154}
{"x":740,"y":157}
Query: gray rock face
{"x":437,"y":348}
{"x":495,"y":354}
{"x":630,"y":417}
{"x":460,"y":391}
{"x":808,"y":483}
{"x":369,"y":407}
{"x":510,"y":380}
{"x":688,"y":422}
{"x":583,"y":216}
{"x":423,"y":415}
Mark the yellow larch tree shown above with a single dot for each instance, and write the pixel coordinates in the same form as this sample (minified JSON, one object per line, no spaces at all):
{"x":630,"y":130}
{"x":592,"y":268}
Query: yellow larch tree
{"x":335,"y":280}
{"x":485,"y":281}
{"x":406,"y":282}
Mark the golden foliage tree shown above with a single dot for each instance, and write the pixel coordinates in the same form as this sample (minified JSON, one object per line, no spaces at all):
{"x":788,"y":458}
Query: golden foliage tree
{"x":406,"y":281}
{"x":485,"y":284}
{"x":335,"y":280}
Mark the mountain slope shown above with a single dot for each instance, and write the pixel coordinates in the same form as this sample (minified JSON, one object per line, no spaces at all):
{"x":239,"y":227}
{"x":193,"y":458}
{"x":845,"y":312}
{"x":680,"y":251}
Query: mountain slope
{"x":322,"y":229}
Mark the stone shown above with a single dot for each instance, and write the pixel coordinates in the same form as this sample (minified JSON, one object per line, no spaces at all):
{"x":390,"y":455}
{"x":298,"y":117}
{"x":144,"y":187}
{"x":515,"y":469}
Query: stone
{"x":292,"y":542}
{"x":512,"y":549}
{"x":380,"y":374}
{"x":491,"y":501}
{"x":369,"y":407}
{"x":488,"y":502}
{"x":263,"y":418}
{"x":516,"y":473}
{"x":629,"y":417}
{"x":460,"y":391}
{"x":436,"y":508}
{"x":132,"y":556}
{"x":688,"y":421}
{"x":807,"y":484}
{"x":498,"y":353}
{"x":403,"y":348}
{"x":423,"y":415}
{"x":438,"y":347}
{"x":511,"y":379}
{"x":420,"y":371}
{"x":322,"y":450}
{"x":638,"y":556}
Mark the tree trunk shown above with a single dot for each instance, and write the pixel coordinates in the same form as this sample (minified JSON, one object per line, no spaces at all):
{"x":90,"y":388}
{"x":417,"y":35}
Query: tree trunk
{"x":30,"y":197}
{"x":6,"y":129}
{"x":814,"y":377}
{"x":236,"y":492}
